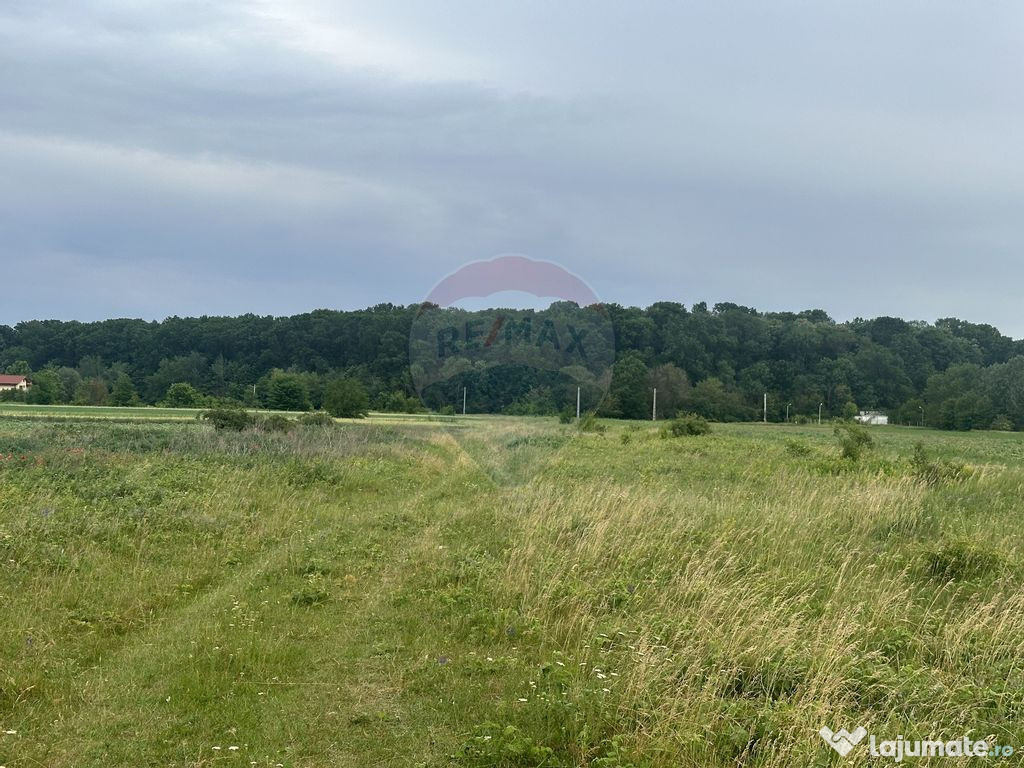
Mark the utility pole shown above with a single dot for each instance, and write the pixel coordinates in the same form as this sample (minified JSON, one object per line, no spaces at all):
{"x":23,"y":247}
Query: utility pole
{"x":765,"y":419}
{"x":654,"y":406}
{"x":819,"y":413}
{"x":463,"y":401}
{"x":577,"y":403}
{"x":787,"y":412}
{"x":921,"y":408}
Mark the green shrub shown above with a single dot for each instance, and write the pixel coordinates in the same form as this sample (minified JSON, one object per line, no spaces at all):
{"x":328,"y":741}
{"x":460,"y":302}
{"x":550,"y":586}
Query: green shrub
{"x":494,"y":745}
{"x":277,"y":423}
{"x":688,"y":424}
{"x":797,"y":448}
{"x":854,"y":440}
{"x":1002,"y":423}
{"x":616,"y":756}
{"x":566,"y":415}
{"x":399,"y":402}
{"x":317,"y":419}
{"x":228,"y":418}
{"x":447,"y":410}
{"x":589,"y":423}
{"x":933,"y":472}
{"x":313,"y":592}
{"x":961,"y":560}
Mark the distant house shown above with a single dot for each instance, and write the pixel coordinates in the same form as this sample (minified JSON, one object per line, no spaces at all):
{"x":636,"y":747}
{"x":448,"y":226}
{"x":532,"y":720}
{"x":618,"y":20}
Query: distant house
{"x":872,"y":417}
{"x":14,"y":382}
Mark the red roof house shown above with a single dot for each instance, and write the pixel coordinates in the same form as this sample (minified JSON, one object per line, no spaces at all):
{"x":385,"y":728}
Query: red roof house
{"x":14,"y":382}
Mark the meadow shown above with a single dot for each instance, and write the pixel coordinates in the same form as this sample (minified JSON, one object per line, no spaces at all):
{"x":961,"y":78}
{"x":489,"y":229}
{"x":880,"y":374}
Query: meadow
{"x":490,"y":591}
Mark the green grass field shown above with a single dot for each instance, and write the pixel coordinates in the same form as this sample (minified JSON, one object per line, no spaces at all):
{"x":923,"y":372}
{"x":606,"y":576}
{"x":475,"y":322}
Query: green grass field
{"x":476,"y":592}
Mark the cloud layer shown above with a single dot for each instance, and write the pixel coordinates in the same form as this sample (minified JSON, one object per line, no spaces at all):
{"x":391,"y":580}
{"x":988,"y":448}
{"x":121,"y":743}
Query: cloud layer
{"x":192,"y":158}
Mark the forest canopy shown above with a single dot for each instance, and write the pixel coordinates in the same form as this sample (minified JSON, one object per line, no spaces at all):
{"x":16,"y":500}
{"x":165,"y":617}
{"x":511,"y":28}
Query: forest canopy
{"x":716,"y":361}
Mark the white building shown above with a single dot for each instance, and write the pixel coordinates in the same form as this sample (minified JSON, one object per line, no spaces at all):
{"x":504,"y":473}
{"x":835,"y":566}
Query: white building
{"x":872,"y":417}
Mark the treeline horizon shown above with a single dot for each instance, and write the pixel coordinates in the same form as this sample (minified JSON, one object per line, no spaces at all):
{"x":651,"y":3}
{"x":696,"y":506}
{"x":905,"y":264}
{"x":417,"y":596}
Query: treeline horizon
{"x":717,"y":362}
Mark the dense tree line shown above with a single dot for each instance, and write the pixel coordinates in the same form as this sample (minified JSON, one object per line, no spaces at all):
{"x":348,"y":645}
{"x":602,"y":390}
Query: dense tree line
{"x":715,"y":361}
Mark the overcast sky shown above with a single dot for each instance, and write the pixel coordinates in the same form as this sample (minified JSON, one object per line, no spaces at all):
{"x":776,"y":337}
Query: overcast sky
{"x":162,"y":158}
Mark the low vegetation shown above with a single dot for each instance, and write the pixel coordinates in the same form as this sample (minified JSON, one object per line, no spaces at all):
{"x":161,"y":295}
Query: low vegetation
{"x":236,"y":419}
{"x":688,"y":424}
{"x":854,"y":440}
{"x":392,"y":593}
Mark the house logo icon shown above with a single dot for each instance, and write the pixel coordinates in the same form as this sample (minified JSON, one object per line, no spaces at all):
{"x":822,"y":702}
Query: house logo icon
{"x":843,"y":741}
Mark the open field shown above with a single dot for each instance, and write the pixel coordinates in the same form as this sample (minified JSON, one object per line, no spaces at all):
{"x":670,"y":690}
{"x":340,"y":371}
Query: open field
{"x":154,"y":414}
{"x":142,"y":413}
{"x":409,"y":591}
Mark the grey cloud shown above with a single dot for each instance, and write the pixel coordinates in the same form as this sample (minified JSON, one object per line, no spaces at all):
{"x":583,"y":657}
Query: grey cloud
{"x":275,"y":157}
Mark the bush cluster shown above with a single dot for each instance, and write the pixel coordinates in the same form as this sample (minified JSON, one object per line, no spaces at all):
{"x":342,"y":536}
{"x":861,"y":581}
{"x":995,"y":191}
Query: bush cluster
{"x":317,"y":419}
{"x":935,"y":471}
{"x":688,"y":424}
{"x":229,"y":418}
{"x":854,"y":440}
{"x":589,"y":423}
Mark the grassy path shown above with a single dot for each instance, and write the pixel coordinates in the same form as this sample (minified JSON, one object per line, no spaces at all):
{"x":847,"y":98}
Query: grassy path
{"x":285,"y":646}
{"x":403,"y":595}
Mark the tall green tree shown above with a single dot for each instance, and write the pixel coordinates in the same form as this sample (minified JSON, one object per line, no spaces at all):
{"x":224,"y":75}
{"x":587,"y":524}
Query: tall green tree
{"x":287,"y":392}
{"x":123,"y":393}
{"x":45,"y":388}
{"x":181,"y":394}
{"x":345,"y":397}
{"x":630,"y":395}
